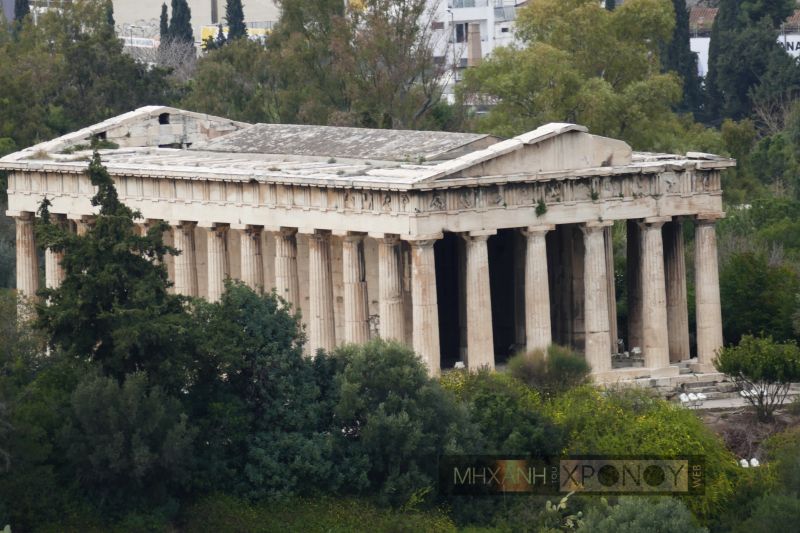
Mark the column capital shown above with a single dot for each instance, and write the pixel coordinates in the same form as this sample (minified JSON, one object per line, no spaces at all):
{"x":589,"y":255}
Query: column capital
{"x":247,"y":227}
{"x":353,"y":236}
{"x":477,"y":236}
{"x":223,"y":226}
{"x":285,"y":231}
{"x":537,"y":230}
{"x":22,"y":216}
{"x":422,"y":240}
{"x":593,"y":226}
{"x":653,"y":222}
{"x":709,"y":218}
{"x":182,"y":223}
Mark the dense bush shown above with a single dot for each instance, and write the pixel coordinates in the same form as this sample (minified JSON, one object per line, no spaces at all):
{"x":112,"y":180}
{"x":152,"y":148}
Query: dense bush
{"x":224,"y":514}
{"x":772,"y":512}
{"x":393,"y":421}
{"x":551,"y":373}
{"x":637,"y":515}
{"x":634,"y":422}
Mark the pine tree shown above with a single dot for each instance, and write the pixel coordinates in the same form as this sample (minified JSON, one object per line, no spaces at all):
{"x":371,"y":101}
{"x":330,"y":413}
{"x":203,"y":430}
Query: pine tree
{"x":22,"y":8}
{"x":234,"y":16}
{"x":678,"y":57}
{"x":180,"y":25}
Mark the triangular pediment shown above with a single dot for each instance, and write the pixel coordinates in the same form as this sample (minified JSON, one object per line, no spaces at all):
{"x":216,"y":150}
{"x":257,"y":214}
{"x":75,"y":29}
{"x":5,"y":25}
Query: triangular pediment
{"x":549,"y":148}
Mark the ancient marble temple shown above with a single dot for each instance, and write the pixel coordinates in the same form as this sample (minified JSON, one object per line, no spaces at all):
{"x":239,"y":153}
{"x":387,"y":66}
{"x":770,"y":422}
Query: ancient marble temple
{"x":466,"y":247}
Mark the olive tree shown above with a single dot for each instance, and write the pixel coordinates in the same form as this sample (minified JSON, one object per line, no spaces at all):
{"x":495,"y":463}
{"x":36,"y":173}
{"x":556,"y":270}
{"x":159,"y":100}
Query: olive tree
{"x":762,"y":367}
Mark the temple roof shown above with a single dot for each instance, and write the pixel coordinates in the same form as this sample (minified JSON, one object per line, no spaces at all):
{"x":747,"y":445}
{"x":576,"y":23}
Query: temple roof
{"x":158,"y":141}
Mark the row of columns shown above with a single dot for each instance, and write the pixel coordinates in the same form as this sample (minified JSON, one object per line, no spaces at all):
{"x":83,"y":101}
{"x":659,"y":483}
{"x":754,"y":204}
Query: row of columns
{"x":656,"y":273}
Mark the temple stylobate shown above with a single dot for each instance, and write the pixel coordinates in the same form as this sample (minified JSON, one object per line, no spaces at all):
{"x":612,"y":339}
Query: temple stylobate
{"x":467,"y":247}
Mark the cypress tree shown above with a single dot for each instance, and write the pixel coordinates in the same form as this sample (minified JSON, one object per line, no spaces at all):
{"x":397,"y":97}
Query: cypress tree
{"x":164,"y":23}
{"x":743,"y":50}
{"x":678,"y":57}
{"x":180,"y":25}
{"x":234,"y":16}
{"x":22,"y":8}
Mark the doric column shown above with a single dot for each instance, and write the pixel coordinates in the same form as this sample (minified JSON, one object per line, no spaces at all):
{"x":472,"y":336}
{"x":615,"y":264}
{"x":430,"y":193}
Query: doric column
{"x":538,"y":332}
{"x":677,"y":305}
{"x":707,"y":304}
{"x":611,"y":289}
{"x":634,"y":284}
{"x":480,"y":339}
{"x":595,"y":286}
{"x":356,"y":307}
{"x":320,"y":292}
{"x":27,"y":260}
{"x":424,"y":304}
{"x":186,"y":262}
{"x":252,"y":260}
{"x":217,"y":260}
{"x":287,"y":284}
{"x":390,"y":282}
{"x":654,"y":295}
{"x":82,"y":223}
{"x":53,"y":271}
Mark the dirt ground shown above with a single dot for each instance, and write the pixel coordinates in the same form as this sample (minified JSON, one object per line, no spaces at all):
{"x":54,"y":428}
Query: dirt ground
{"x":742,"y":433}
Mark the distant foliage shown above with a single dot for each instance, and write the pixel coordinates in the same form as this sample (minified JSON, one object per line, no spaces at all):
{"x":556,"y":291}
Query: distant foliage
{"x":234,"y":16}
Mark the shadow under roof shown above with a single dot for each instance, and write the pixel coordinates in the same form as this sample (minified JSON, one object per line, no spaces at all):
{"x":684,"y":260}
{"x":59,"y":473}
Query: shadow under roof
{"x":355,"y":143}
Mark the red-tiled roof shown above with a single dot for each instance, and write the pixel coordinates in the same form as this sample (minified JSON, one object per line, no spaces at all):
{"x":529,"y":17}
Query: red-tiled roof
{"x":701,"y":19}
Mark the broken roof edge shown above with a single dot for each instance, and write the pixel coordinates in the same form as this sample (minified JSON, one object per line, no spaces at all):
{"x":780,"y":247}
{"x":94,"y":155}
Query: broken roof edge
{"x":85,"y":134}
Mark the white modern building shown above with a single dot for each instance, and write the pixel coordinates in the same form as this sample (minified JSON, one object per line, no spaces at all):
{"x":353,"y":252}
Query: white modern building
{"x":457,"y":24}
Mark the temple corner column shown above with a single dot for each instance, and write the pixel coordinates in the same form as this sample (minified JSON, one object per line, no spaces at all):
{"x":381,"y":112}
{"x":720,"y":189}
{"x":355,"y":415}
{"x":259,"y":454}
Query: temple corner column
{"x":707,"y":297}
{"x":27,"y":257}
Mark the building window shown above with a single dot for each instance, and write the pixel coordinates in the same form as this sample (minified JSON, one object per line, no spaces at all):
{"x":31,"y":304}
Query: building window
{"x":163,"y":118}
{"x":462,"y":32}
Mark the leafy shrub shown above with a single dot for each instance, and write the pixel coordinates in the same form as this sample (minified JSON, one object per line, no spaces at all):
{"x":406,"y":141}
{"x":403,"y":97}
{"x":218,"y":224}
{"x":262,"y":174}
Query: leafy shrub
{"x":635,"y":422}
{"x":763,"y":365}
{"x":773,"y":512}
{"x":637,"y":515}
{"x":783,"y":456}
{"x":559,"y":370}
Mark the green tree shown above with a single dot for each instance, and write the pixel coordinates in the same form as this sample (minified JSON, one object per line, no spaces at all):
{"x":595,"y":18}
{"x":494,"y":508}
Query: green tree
{"x":744,"y":54}
{"x":128,"y":443}
{"x":771,"y":512}
{"x":393,"y":421}
{"x":757,"y":296}
{"x":113,"y":306}
{"x":234,"y":16}
{"x":550,"y":373}
{"x":584,"y":64}
{"x":236,"y":81}
{"x":611,"y":5}
{"x":679,"y":58}
{"x":163,"y":23}
{"x":22,"y":8}
{"x":180,"y":24}
{"x":762,"y":367}
{"x":257,"y":400}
